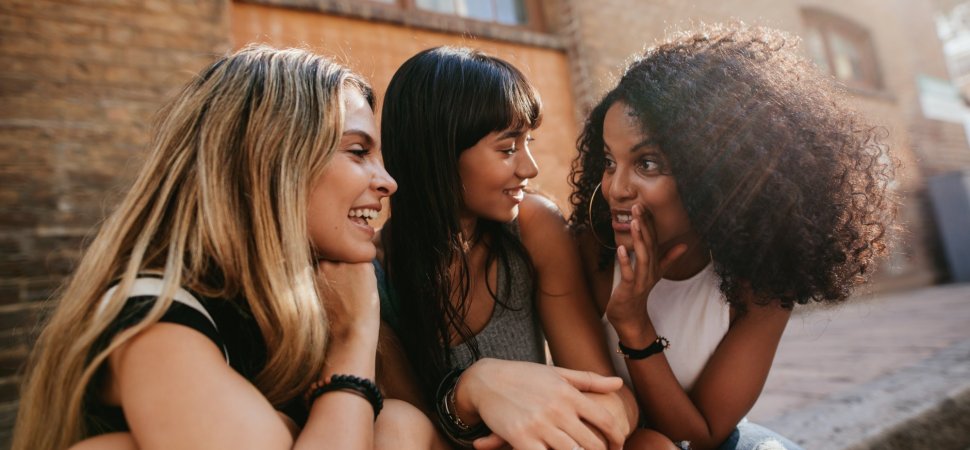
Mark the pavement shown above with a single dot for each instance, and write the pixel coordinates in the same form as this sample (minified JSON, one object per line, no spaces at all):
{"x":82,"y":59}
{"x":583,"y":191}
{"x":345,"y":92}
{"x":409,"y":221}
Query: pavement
{"x":885,"y":371}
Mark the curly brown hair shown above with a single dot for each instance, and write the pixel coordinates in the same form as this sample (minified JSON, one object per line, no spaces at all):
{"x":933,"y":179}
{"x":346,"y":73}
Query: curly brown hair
{"x":787,"y":186}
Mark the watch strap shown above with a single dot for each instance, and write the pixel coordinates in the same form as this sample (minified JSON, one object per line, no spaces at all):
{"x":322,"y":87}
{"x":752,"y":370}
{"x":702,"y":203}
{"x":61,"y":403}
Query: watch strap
{"x":657,"y":346}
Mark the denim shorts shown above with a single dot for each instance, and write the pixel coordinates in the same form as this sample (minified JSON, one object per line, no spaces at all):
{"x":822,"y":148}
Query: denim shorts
{"x":751,"y":436}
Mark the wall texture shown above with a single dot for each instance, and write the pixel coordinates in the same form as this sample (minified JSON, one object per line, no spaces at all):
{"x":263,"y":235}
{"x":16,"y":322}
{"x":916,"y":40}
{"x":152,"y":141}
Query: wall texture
{"x":79,"y":83}
{"x":377,"y":49}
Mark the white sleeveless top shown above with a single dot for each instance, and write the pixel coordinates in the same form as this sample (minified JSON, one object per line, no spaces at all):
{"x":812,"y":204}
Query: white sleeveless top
{"x":691,"y":314}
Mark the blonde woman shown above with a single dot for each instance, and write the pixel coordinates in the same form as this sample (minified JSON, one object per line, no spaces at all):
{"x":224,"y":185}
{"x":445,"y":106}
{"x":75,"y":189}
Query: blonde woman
{"x":229,"y":301}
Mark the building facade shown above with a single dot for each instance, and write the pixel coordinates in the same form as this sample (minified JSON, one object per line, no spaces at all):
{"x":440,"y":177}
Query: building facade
{"x":80,"y":82}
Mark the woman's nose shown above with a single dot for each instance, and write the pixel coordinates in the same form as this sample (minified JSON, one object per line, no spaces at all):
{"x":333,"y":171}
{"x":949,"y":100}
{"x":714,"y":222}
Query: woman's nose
{"x":617,"y":186}
{"x":383,"y":182}
{"x":527,"y":167}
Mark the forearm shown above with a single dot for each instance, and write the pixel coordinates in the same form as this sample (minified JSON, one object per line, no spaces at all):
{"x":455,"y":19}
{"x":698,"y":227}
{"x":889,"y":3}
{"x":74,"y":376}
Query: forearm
{"x":663,"y":402}
{"x":666,"y":407}
{"x":465,"y":409}
{"x":630,"y":406}
{"x":343,"y":419}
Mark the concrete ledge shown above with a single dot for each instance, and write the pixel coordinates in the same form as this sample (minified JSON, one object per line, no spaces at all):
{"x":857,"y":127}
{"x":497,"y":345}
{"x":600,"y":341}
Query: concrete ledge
{"x":926,"y":405}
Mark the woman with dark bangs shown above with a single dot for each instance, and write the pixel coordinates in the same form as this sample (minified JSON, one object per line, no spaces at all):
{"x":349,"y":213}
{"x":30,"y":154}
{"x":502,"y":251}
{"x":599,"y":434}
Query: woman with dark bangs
{"x":479,"y":270}
{"x":720,"y":183}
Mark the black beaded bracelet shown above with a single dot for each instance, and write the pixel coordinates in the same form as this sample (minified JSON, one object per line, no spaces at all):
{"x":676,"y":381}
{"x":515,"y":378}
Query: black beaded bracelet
{"x":454,"y":428}
{"x":657,"y":346}
{"x":349,"y":383}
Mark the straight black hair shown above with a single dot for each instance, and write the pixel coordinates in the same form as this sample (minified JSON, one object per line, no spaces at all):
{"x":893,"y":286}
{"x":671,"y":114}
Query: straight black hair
{"x":438,"y":104}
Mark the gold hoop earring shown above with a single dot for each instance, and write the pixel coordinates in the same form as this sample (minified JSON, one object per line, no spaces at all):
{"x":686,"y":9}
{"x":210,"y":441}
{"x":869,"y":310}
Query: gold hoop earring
{"x":589,"y":219}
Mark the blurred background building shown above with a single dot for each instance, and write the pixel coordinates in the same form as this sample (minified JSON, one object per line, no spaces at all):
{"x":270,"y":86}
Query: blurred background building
{"x":81,"y":80}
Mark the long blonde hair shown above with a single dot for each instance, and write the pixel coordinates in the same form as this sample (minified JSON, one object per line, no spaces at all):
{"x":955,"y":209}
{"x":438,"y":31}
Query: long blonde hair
{"x":220,"y":208}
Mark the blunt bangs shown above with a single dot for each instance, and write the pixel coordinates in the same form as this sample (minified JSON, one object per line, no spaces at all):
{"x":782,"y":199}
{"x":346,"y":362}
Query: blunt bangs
{"x":497,"y":95}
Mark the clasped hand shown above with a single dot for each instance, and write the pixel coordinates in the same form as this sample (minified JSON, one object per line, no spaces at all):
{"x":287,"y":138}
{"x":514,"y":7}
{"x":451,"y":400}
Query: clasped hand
{"x":534,"y":406}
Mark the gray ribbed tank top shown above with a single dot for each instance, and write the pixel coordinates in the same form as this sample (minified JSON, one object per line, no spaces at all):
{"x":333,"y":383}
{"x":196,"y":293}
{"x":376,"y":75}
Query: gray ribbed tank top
{"x":513,"y":332}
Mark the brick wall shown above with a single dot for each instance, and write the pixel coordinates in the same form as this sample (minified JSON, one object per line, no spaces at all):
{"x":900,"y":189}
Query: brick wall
{"x":79,"y":83}
{"x":376,"y":49}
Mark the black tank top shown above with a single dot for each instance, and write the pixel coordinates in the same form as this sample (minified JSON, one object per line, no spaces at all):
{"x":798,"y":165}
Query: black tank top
{"x":237,"y":335}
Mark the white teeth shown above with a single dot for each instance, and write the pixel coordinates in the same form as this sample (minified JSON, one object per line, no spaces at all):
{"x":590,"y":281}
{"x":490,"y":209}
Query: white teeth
{"x":624,"y":218}
{"x":365,"y":213}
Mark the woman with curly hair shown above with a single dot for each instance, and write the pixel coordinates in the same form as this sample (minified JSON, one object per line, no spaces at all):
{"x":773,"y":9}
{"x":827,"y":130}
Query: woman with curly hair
{"x":721,"y":182}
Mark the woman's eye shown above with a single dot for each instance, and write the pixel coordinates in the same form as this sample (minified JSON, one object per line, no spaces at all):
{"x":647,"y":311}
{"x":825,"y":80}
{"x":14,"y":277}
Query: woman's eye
{"x":647,"y":165}
{"x":509,"y":151}
{"x":358,"y":151}
{"x":609,"y":164}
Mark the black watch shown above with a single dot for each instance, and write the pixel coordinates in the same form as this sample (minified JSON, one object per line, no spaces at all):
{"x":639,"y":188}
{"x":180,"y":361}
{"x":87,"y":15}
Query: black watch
{"x":655,"y":347}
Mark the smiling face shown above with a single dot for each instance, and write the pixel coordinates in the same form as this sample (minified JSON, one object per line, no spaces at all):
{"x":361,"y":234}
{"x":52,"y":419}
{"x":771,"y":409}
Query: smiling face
{"x":637,"y":173}
{"x":349,"y":190}
{"x":494,"y":173}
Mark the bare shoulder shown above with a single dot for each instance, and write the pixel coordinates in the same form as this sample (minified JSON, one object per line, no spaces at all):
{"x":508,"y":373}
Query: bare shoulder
{"x":158,"y":348}
{"x":171,"y":379}
{"x":538,"y":215}
{"x":110,"y":441}
{"x":542,"y":228}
